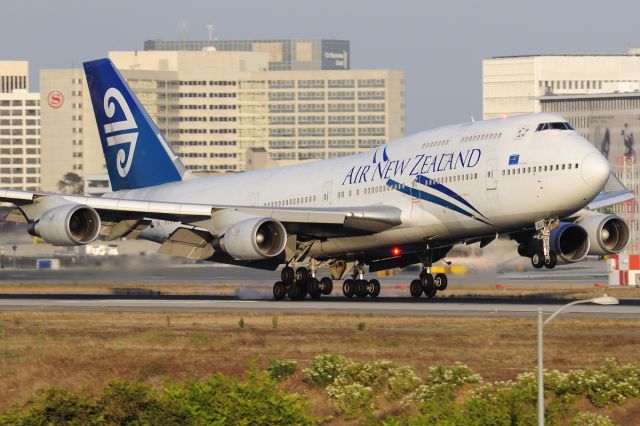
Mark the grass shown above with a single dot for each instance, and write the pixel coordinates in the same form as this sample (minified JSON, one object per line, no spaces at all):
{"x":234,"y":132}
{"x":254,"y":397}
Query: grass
{"x":82,"y":351}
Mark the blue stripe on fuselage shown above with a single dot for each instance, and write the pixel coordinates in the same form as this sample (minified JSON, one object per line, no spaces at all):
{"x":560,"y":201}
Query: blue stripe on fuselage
{"x":425,"y":196}
{"x":440,"y":187}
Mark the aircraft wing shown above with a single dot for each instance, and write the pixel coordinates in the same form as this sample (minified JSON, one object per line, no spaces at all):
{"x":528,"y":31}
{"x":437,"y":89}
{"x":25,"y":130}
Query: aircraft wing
{"x":131,"y":213}
{"x":614,"y":192}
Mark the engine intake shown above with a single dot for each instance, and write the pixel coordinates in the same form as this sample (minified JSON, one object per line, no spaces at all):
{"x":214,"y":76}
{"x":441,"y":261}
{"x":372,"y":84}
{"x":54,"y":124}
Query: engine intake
{"x":608,"y":233}
{"x":68,"y":225}
{"x":570,"y":242}
{"x":254,"y":238}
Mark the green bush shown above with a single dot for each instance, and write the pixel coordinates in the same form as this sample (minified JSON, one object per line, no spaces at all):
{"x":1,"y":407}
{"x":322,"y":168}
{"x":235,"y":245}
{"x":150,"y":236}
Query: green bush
{"x":353,"y":400}
{"x":129,"y":403}
{"x":220,"y":400}
{"x":591,"y":419}
{"x":229,"y":400}
{"x":53,"y":407}
{"x":279,"y":370}
{"x":324,"y":369}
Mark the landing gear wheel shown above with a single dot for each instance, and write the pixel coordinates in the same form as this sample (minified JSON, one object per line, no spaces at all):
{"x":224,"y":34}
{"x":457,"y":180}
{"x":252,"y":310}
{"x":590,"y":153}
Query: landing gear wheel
{"x":313,"y":288}
{"x":429,"y":286}
{"x":553,"y":261}
{"x":415,"y":288}
{"x":537,"y":260}
{"x":287,"y":275}
{"x":440,"y":281}
{"x":348,"y":287}
{"x":374,"y":288}
{"x":361,"y":288}
{"x":296,"y":291}
{"x":326,"y":284}
{"x":279,"y":290}
{"x":302,"y":274}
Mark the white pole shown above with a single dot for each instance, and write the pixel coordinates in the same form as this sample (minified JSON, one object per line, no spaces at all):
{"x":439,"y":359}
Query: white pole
{"x":540,"y":371}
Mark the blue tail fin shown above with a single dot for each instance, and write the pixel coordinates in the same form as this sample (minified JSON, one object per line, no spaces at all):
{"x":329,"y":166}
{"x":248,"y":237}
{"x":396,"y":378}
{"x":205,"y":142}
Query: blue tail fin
{"x":136,"y":153}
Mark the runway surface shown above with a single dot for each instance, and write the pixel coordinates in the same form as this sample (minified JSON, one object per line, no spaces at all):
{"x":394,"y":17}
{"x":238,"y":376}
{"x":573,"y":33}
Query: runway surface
{"x":485,"y":307}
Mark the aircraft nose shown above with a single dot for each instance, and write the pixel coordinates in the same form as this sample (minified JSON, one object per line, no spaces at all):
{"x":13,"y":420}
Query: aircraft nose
{"x":595,"y":170}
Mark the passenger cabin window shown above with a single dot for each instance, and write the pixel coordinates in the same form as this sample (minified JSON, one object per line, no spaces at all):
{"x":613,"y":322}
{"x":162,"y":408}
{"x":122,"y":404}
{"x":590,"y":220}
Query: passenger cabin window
{"x":554,"y":126}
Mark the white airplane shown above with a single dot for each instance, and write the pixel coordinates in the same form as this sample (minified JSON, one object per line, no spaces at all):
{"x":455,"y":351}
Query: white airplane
{"x":531,"y":177}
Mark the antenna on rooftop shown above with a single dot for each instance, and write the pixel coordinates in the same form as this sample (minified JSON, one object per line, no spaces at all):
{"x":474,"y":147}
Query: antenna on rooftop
{"x":183,"y":30}
{"x":210,"y":31}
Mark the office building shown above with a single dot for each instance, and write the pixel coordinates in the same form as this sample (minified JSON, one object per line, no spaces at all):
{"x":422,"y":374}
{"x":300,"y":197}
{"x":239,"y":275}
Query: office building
{"x":213,"y":106}
{"x":19,"y":128}
{"x":284,"y":55}
{"x":514,"y":84}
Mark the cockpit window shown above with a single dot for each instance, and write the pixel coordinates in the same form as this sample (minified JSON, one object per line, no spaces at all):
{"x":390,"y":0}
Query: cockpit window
{"x":561,"y":125}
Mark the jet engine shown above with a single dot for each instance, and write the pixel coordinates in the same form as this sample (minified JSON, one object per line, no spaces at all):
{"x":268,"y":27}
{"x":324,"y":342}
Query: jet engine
{"x":570,"y":242}
{"x":68,"y":225}
{"x":254,"y":238}
{"x":608,"y":233}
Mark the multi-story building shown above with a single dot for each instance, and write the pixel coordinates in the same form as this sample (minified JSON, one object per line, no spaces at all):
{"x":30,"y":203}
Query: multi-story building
{"x":19,"y":128}
{"x":283,"y":54}
{"x":213,"y":106}
{"x":611,"y":121}
{"x":69,"y":134}
{"x":514,"y":84}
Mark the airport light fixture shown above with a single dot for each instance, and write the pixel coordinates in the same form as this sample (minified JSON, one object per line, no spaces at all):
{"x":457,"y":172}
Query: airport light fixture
{"x":602,"y":300}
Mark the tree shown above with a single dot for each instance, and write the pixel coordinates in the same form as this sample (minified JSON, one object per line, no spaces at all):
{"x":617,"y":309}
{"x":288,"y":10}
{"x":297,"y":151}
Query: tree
{"x":71,"y":183}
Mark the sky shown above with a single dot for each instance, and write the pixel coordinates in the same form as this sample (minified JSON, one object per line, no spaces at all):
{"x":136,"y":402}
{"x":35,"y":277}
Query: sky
{"x":439,"y":45}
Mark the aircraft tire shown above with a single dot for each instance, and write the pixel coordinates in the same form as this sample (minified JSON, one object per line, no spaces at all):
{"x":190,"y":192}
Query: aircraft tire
{"x":361,"y":288}
{"x":553,"y":261}
{"x":415,"y":288}
{"x":429,"y":285}
{"x":279,"y":290}
{"x":313,"y":288}
{"x":326,"y":284}
{"x":287,"y":275}
{"x":537,"y":260}
{"x":374,"y":288}
{"x":441,"y":281}
{"x":302,"y":274}
{"x":348,"y":287}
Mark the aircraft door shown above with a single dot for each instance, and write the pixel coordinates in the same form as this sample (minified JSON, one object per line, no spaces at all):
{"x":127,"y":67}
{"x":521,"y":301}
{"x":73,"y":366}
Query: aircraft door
{"x":327,"y":193}
{"x":255,"y":198}
{"x":491,"y":174}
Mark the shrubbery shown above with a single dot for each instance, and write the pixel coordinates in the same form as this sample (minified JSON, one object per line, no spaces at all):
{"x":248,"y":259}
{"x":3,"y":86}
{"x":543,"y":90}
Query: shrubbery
{"x":447,"y":395}
{"x":219,"y":400}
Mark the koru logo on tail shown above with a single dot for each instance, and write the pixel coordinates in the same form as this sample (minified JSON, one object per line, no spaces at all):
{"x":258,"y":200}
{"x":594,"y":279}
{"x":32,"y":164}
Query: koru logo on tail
{"x":123,"y":158}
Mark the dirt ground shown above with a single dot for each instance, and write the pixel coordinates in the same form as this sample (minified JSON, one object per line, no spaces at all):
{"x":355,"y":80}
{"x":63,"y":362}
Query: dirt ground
{"x":82,"y":351}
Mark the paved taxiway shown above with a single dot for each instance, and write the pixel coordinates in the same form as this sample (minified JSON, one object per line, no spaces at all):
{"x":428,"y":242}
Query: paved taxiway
{"x":383,"y":306}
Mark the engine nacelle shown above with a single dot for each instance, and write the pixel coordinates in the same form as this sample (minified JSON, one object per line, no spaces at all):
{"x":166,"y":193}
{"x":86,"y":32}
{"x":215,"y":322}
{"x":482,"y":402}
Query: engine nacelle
{"x":608,"y":233}
{"x":570,"y":242}
{"x":68,"y":225}
{"x":253,"y":239}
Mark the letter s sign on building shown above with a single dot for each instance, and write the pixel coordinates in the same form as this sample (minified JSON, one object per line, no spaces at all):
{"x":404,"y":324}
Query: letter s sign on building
{"x":55,"y":99}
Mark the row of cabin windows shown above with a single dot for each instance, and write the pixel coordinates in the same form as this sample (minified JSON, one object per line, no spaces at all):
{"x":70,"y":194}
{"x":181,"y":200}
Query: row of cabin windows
{"x":433,"y":144}
{"x":539,"y":169}
{"x":484,"y":136}
{"x":292,"y":201}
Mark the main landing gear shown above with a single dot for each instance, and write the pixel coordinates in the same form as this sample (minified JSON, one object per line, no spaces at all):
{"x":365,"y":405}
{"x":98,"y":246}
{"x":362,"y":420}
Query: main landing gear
{"x":297,"y":284}
{"x":358,"y":286}
{"x":428,"y":284}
